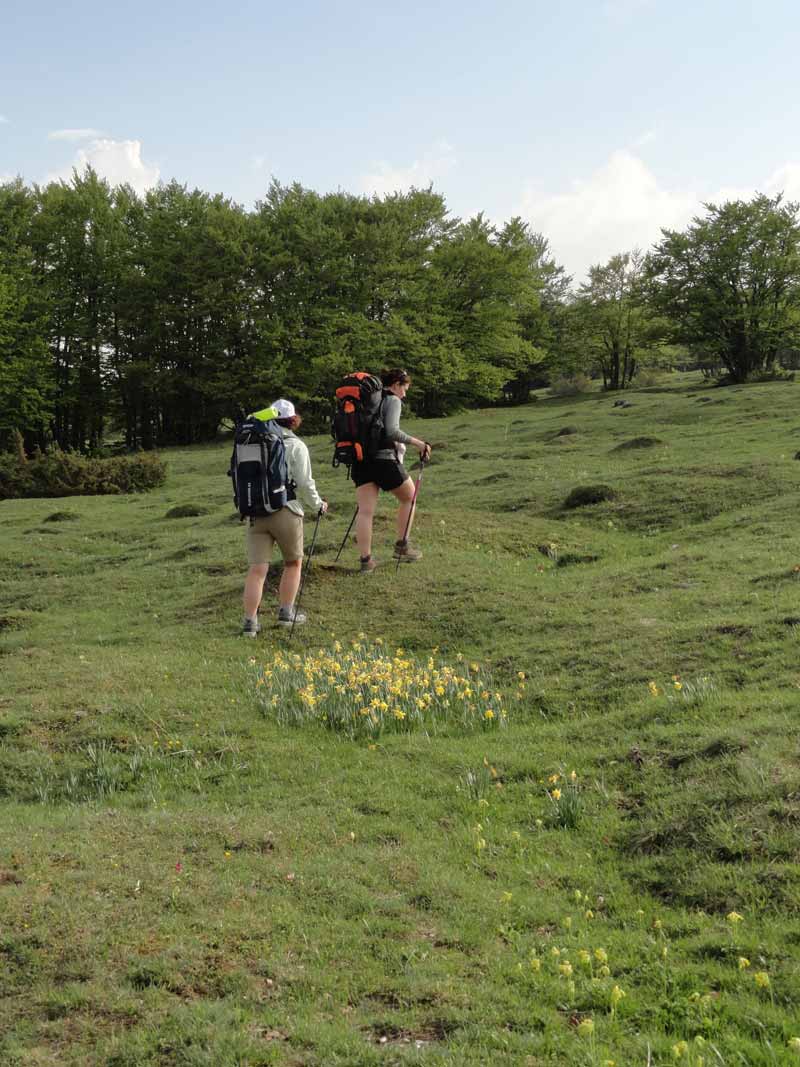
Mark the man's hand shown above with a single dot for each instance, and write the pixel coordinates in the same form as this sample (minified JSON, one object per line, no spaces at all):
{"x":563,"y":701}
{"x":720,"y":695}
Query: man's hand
{"x":425,"y":452}
{"x":324,"y":507}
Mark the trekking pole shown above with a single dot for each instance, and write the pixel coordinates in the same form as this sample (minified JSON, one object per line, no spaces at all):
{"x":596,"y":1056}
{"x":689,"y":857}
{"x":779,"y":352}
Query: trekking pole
{"x":422,"y":463}
{"x":305,"y":572}
{"x":344,"y":539}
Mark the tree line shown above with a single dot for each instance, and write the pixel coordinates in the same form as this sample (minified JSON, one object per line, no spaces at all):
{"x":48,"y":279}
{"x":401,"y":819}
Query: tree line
{"x":155,"y":319}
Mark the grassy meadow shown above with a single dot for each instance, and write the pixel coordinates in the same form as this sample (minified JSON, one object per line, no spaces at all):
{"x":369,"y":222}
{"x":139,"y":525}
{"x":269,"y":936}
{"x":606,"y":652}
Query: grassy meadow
{"x":224,"y":852}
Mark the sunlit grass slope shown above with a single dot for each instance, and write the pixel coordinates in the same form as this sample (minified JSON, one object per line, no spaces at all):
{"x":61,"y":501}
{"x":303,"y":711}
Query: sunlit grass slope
{"x":300,"y":851}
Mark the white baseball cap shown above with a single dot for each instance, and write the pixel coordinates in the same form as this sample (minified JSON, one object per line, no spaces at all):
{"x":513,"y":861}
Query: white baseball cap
{"x":285,"y":409}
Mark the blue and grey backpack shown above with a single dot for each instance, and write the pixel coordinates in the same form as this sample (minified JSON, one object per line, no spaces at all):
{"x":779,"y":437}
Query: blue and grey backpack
{"x":258,"y":468}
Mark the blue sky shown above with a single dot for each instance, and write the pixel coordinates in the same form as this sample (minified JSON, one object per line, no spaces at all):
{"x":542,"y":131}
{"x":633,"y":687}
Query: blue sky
{"x":598,"y":121}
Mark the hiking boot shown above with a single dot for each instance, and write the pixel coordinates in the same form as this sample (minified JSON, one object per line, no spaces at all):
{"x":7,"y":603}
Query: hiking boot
{"x":368,"y":565}
{"x":406,"y":552}
{"x":250,"y":627}
{"x":289,"y":616}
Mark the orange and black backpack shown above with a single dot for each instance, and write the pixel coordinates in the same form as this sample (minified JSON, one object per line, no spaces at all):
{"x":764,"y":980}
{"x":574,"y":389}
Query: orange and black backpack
{"x":357,"y":424}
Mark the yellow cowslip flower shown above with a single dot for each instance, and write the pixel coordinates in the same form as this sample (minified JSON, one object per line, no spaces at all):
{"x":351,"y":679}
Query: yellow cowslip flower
{"x":761,"y":978}
{"x":604,"y":972}
{"x":609,"y":1063}
{"x":536,"y":966}
{"x":567,"y":921}
{"x":556,"y":794}
{"x":516,"y":836}
{"x":616,"y":995}
{"x":657,"y":924}
{"x":680,"y":1049}
{"x":585,"y":957}
{"x":794,"y":1044}
{"x":578,"y":896}
{"x":480,"y":844}
{"x":734,"y":917}
{"x":586,"y":1028}
{"x":601,"y":955}
{"x":565,"y":968}
{"x":744,"y":963}
{"x":654,"y":690}
{"x":588,"y":914}
{"x":555,"y":951}
{"x":488,"y":714}
{"x":505,"y":898}
{"x":521,"y":675}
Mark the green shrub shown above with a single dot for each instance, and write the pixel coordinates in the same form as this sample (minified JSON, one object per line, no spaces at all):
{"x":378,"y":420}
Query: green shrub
{"x":55,"y":473}
{"x":572,"y":386}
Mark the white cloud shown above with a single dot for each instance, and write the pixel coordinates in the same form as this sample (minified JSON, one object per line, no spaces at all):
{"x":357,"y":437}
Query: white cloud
{"x":83,"y":134}
{"x":3,"y":120}
{"x":622,"y":206}
{"x":117,"y":161}
{"x":385,"y":179}
{"x":619,"y":207}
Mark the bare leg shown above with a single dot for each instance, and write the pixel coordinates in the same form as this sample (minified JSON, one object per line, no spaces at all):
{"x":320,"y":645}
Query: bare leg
{"x":254,"y":588}
{"x":367,"y":499}
{"x":290,"y":582}
{"x":405,"y":513}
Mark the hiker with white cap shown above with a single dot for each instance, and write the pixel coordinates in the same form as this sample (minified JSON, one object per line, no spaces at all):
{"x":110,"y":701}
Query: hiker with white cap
{"x":284,"y":526}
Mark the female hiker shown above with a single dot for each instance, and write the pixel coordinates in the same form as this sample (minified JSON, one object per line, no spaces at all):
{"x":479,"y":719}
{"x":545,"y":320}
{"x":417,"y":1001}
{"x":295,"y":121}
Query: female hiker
{"x":385,"y":471}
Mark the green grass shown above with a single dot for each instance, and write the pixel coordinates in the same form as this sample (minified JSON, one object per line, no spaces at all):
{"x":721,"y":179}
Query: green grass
{"x":186,"y":879}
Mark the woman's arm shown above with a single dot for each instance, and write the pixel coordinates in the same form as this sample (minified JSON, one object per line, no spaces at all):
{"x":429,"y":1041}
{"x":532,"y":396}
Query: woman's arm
{"x":391,"y":426}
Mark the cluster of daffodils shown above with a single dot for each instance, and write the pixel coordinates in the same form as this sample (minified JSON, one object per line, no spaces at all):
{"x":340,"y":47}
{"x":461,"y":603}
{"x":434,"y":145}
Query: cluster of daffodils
{"x":690,"y":692}
{"x":575,"y":965}
{"x":364,"y":690}
{"x":565,"y":803}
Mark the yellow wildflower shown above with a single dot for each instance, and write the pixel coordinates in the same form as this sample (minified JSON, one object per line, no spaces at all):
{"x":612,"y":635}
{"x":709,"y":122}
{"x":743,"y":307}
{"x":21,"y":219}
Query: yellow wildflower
{"x":586,"y":1028}
{"x":556,"y":794}
{"x":744,"y":963}
{"x":488,"y":714}
{"x":761,"y":978}
{"x":680,"y":1049}
{"x":588,"y":914}
{"x":536,"y":964}
{"x":604,"y":972}
{"x":601,"y":955}
{"x":734,"y":917}
{"x":654,"y":690}
{"x":585,"y":957}
{"x":794,"y":1044}
{"x":565,"y":968}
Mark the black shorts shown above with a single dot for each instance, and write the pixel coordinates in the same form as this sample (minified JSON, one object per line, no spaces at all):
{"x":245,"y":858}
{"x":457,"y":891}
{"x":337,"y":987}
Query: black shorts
{"x":387,"y":474}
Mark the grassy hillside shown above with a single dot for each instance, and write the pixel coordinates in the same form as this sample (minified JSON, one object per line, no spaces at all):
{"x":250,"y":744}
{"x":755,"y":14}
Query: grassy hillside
{"x":186,"y":878}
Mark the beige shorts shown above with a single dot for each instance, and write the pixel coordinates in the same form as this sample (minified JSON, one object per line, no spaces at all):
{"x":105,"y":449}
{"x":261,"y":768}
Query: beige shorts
{"x":284,"y":527}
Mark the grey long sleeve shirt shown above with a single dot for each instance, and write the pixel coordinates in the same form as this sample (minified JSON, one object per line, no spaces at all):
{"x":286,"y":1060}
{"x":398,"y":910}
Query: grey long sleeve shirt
{"x":391,"y":406}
